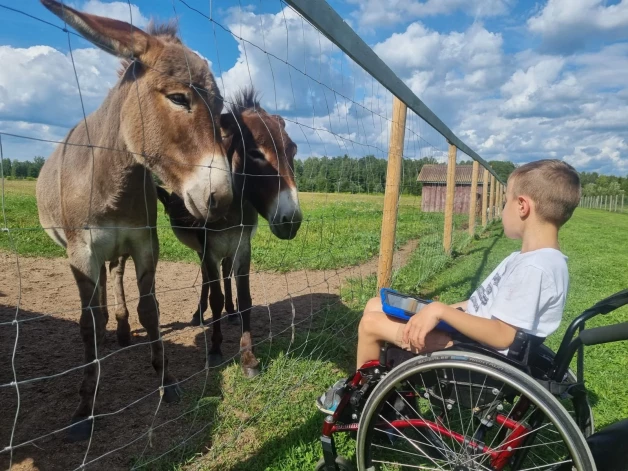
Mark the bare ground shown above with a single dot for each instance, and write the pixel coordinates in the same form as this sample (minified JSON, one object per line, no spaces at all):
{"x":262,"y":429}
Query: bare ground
{"x":49,"y":345}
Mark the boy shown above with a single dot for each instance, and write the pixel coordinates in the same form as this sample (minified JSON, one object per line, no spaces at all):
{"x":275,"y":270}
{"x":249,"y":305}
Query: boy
{"x":525,"y":292}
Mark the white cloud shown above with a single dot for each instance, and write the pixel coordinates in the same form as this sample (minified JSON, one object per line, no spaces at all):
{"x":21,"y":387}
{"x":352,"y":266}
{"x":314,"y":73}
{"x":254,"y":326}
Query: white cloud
{"x":40,"y":86}
{"x":286,"y":38}
{"x":568,"y":25}
{"x":446,"y":68}
{"x":375,"y":13}
{"x":25,"y":149}
{"x":518,"y":107}
{"x":118,"y":10}
{"x":542,"y":90}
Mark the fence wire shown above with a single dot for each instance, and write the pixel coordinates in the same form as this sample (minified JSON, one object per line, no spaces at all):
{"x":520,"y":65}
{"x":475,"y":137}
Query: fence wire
{"x":307,"y":292}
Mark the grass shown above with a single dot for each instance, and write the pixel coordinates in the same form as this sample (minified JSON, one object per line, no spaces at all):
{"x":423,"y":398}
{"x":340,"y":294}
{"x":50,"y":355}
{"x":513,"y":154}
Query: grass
{"x":337,"y":231}
{"x":270,"y":422}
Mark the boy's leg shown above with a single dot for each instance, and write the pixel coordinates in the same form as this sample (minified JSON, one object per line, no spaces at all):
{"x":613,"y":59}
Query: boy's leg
{"x":376,"y":327}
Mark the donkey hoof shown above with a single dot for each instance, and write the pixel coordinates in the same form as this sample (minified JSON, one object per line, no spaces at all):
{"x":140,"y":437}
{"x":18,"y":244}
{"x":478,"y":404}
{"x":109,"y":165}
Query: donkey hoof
{"x":197,"y":319}
{"x":124,"y":338}
{"x":214,"y":359}
{"x":172,"y":393}
{"x":80,"y":430}
{"x":234,"y":318}
{"x":250,"y":372}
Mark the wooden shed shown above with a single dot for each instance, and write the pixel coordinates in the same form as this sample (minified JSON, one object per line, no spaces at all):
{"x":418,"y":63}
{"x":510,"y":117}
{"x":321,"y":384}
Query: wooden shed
{"x":434,"y":180}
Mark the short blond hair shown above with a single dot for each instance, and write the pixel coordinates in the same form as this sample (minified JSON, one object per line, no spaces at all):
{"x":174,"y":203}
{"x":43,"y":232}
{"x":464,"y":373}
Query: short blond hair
{"x":552,"y":184}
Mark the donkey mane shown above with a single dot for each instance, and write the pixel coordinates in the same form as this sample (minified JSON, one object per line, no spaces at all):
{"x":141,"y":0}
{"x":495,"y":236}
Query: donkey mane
{"x":245,"y":99}
{"x":167,"y":30}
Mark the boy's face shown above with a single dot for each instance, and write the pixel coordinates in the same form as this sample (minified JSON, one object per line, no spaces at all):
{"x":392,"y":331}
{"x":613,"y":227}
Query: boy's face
{"x":512,"y":214}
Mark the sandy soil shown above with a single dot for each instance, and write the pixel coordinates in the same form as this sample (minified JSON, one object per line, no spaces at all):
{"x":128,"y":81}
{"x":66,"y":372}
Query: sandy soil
{"x":49,"y":346}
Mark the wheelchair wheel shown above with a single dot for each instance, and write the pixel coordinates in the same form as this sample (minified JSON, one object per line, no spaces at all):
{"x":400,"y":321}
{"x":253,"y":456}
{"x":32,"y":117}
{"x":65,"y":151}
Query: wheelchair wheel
{"x":464,"y":411}
{"x":579,"y":407}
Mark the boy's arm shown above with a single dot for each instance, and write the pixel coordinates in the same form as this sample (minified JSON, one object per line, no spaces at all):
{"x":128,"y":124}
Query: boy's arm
{"x":461,"y":304}
{"x":491,"y":332}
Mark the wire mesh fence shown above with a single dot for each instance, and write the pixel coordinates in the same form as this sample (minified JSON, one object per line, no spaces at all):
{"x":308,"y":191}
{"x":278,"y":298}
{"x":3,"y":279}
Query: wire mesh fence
{"x":267,"y":223}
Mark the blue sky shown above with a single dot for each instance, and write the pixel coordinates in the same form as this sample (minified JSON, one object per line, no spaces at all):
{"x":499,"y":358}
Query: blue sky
{"x":516,"y":80}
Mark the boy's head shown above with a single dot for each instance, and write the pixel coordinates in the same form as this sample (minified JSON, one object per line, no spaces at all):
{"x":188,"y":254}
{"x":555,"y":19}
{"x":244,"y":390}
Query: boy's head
{"x":547,"y":191}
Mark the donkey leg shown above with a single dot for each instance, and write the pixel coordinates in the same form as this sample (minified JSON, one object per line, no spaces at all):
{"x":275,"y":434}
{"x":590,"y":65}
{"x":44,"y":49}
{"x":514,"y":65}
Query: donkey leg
{"x":102,"y":293}
{"x":242,"y":266}
{"x":232,"y":316}
{"x":86,"y":271}
{"x":123,"y":331}
{"x":148,"y":310}
{"x":197,"y":318}
{"x":216,"y":303}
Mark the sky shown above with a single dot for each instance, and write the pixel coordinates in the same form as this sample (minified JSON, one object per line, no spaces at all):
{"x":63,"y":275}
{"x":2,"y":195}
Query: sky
{"x":515,"y":80}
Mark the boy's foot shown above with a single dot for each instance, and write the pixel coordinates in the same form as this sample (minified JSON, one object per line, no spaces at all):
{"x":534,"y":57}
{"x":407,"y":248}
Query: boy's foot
{"x":328,"y":402}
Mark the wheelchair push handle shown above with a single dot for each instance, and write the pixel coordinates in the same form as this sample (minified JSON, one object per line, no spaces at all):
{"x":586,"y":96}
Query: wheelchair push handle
{"x":606,"y":334}
{"x":609,"y":304}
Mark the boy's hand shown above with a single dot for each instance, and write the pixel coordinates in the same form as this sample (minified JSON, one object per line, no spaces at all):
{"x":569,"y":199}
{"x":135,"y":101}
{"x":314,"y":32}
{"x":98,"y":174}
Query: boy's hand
{"x":422,"y":324}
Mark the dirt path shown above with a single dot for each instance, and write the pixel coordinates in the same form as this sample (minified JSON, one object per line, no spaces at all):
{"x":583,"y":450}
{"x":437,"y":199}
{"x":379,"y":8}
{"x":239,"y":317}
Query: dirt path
{"x":49,"y":345}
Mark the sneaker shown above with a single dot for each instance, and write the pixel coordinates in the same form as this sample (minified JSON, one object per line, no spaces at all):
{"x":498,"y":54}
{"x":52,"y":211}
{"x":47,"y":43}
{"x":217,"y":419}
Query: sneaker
{"x":329,"y":401}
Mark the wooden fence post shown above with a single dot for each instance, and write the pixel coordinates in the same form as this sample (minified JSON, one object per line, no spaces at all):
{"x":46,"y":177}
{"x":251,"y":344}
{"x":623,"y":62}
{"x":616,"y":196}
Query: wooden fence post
{"x":473,"y":197}
{"x":491,"y":205}
{"x":450,"y":199}
{"x":485,"y":198}
{"x":391,"y":194}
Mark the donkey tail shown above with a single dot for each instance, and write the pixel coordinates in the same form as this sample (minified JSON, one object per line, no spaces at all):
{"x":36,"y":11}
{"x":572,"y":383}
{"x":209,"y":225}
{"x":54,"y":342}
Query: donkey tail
{"x":164,"y":197}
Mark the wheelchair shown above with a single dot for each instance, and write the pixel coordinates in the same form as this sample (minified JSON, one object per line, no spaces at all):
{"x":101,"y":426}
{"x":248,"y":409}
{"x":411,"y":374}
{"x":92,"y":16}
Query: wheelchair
{"x":469,"y":408}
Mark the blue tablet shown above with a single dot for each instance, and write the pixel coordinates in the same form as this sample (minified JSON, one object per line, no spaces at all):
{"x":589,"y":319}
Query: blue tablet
{"x":403,"y":306}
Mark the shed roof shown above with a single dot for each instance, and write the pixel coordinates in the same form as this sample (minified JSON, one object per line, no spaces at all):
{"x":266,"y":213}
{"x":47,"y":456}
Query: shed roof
{"x":437,"y":173}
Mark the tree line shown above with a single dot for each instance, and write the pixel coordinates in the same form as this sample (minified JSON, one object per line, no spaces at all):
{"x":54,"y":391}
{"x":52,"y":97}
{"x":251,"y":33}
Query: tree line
{"x":22,"y":169}
{"x":344,"y":174}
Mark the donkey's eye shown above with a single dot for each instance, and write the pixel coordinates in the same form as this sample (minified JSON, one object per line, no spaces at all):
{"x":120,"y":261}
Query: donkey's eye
{"x":256,"y":154}
{"x":179,"y":99}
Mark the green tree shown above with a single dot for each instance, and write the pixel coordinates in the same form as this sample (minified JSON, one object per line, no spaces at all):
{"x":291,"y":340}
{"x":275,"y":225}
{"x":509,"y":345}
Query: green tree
{"x":502,"y":168}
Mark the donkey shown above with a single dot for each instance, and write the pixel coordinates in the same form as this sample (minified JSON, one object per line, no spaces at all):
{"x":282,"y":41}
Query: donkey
{"x":96,"y":196}
{"x":262,"y":156}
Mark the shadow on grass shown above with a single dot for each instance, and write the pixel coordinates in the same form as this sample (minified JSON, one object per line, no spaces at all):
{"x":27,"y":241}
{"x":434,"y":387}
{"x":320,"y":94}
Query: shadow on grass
{"x":133,"y":428}
{"x":251,"y":424}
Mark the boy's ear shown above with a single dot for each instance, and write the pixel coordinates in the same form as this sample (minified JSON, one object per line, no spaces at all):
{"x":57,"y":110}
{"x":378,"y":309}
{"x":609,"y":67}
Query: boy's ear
{"x":524,"y":206}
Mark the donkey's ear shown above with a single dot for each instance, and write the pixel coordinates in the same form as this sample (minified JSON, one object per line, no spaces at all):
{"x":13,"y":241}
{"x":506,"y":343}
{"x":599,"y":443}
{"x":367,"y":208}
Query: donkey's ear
{"x":116,"y":37}
{"x":280,"y":120}
{"x":228,"y":124}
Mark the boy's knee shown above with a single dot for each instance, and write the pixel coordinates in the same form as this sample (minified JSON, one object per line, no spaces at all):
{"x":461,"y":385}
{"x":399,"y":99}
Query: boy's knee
{"x":373,"y":305}
{"x":368,"y":323}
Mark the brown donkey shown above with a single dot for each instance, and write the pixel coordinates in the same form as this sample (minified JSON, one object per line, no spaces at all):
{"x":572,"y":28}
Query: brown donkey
{"x":96,"y":196}
{"x":262,"y":156}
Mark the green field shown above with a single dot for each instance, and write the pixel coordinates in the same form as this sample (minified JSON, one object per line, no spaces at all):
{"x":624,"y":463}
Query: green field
{"x":270,"y":422}
{"x":276,"y":427}
{"x":337,"y":230}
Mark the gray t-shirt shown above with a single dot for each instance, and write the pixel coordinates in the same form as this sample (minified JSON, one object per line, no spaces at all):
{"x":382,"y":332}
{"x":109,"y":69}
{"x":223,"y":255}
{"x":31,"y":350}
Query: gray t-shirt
{"x":526,"y":290}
